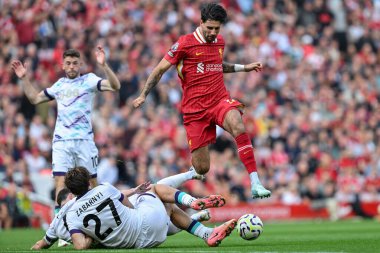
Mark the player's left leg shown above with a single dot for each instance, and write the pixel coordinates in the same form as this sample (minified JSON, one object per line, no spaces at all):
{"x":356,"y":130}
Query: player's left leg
{"x":86,"y":155}
{"x":203,"y":215}
{"x":177,"y":180}
{"x":212,"y":236}
{"x":233,"y":124}
{"x":200,"y":158}
{"x":62,"y":161}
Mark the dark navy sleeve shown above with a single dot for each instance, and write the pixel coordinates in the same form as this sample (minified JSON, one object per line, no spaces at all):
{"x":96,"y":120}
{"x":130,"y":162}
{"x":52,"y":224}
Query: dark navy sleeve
{"x":99,"y":85}
{"x":48,"y":95}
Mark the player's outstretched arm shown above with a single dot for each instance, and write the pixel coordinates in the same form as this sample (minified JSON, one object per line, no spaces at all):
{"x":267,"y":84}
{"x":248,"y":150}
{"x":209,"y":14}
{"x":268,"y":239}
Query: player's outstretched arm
{"x":229,"y":67}
{"x":152,"y":81}
{"x":112,"y":83}
{"x":144,"y":187}
{"x":41,"y":244}
{"x":31,"y":93}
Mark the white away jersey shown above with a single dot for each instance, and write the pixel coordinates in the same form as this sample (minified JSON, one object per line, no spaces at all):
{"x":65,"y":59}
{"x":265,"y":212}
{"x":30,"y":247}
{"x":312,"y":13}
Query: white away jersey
{"x":74,"y":100}
{"x":58,"y":228}
{"x":101,"y":214}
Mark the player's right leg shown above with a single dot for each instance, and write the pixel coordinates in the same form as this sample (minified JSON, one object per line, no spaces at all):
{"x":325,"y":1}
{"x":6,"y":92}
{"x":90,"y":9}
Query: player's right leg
{"x":208,"y":202}
{"x":170,"y":195}
{"x":59,"y":185}
{"x":221,"y":232}
{"x":232,"y":122}
{"x":212,"y":236}
{"x":259,"y":191}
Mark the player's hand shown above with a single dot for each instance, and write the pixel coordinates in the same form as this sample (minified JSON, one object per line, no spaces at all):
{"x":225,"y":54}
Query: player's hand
{"x":100,"y":55}
{"x":37,"y":246}
{"x":256,"y":66}
{"x":19,"y":68}
{"x":138,"y":101}
{"x":144,"y":187}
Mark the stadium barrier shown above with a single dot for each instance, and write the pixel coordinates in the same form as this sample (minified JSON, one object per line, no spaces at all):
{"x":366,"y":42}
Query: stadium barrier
{"x":269,"y":211}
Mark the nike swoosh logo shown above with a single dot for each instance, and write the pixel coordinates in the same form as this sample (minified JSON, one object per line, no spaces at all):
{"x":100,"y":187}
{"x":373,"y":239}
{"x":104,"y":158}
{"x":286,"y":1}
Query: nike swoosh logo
{"x":215,"y":235}
{"x":198,"y":53}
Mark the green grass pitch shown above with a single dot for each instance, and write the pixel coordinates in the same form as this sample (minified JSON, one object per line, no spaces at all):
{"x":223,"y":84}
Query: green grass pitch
{"x":307,"y":236}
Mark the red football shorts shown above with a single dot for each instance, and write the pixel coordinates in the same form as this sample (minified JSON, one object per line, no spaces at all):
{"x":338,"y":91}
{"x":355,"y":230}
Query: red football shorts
{"x":201,"y":127}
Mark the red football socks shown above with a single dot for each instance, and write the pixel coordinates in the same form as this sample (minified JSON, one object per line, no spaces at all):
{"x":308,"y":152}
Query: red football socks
{"x":245,"y":151}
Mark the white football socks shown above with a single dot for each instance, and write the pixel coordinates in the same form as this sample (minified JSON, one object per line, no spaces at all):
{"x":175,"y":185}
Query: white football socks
{"x":202,"y":231}
{"x":254,"y":178}
{"x":177,"y":180}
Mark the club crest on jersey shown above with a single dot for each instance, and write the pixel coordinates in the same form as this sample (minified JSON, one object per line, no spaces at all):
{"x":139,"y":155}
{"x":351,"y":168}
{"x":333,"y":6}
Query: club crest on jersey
{"x":173,"y":49}
{"x":221,"y":53}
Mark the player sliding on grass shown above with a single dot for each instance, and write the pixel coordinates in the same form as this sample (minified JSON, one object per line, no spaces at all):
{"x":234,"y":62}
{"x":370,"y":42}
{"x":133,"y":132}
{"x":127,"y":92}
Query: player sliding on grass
{"x":206,"y":102}
{"x":103,"y":214}
{"x":58,"y":228}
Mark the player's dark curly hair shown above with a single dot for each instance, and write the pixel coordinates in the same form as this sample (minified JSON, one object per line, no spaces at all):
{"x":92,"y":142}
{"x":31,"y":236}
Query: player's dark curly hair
{"x":62,"y":195}
{"x":213,"y":11}
{"x":71,"y":52}
{"x":77,"y":180}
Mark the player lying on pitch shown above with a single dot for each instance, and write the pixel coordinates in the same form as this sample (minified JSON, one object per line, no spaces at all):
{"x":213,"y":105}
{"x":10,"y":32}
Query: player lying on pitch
{"x":59,"y":227}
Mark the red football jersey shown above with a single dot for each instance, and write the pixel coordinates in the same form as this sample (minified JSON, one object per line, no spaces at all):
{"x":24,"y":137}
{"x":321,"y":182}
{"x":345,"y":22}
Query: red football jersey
{"x":199,"y":66}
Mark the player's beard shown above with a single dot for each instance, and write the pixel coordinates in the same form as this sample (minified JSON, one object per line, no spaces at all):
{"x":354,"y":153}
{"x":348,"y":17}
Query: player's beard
{"x":209,"y":38}
{"x":72,"y":74}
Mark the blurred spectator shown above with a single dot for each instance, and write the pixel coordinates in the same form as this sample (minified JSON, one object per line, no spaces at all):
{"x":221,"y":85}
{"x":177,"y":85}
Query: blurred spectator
{"x":10,"y":206}
{"x":34,"y":161}
{"x":107,"y":170}
{"x":5,"y":217}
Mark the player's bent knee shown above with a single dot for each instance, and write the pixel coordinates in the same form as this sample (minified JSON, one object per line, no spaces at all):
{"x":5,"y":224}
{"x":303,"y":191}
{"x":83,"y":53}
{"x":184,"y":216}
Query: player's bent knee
{"x":202,"y":169}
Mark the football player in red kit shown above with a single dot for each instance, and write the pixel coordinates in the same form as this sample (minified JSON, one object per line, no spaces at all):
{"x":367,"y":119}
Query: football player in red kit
{"x":206,"y":102}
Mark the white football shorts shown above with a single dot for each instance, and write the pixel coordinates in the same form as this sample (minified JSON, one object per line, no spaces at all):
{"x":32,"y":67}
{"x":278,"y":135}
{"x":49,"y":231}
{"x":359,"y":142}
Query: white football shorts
{"x":155,"y":220}
{"x":68,"y":154}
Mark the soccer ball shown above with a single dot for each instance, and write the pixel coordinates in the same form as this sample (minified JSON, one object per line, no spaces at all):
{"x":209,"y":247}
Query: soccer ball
{"x":250,"y":227}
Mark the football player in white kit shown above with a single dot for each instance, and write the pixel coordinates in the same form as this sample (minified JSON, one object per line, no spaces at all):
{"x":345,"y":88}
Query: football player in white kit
{"x":73,"y":139}
{"x":103,"y":214}
{"x":58,"y":227}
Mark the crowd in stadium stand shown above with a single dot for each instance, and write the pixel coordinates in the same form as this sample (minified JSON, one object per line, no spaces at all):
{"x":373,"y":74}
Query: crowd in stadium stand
{"x":313,"y":113}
